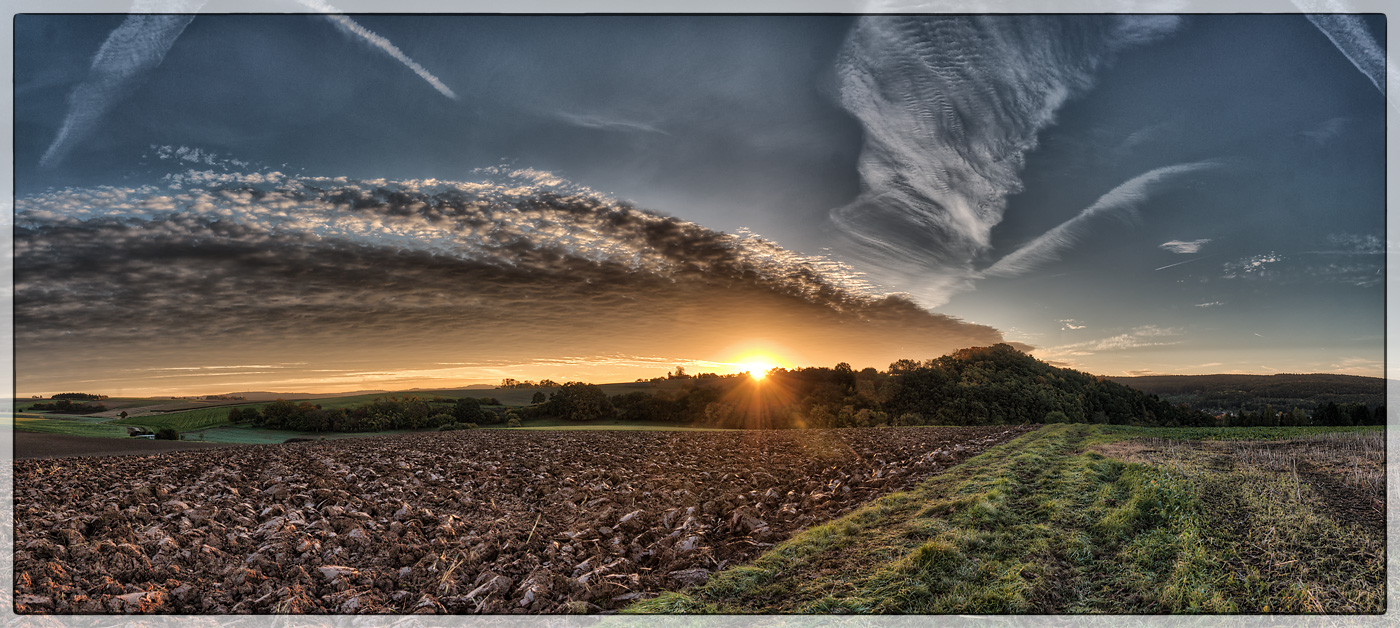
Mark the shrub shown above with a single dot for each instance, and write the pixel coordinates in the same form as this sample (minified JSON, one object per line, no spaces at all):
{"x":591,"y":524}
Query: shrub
{"x":457,"y":426}
{"x":513,"y":422}
{"x":167,"y":433}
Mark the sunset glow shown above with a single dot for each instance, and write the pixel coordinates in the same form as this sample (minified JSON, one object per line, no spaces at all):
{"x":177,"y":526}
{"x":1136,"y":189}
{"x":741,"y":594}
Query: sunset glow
{"x":757,"y":370}
{"x":783,"y":203}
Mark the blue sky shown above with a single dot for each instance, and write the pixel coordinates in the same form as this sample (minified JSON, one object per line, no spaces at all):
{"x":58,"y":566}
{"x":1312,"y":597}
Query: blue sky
{"x":1119,"y":194}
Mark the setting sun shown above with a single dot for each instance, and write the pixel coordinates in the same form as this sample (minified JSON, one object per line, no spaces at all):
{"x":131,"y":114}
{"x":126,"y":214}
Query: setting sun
{"x":757,"y":366}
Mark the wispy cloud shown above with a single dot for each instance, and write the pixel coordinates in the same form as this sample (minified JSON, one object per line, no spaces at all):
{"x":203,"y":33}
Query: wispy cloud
{"x":347,"y":25}
{"x":605,"y":123}
{"x":1341,"y":24}
{"x":131,"y":51}
{"x":1184,"y":247}
{"x":1121,"y":201}
{"x":1211,"y":304}
{"x":1136,"y":338}
{"x":950,"y":106}
{"x":1355,"y":365}
{"x":1324,"y":132}
{"x":1069,"y":324}
{"x":139,"y":45}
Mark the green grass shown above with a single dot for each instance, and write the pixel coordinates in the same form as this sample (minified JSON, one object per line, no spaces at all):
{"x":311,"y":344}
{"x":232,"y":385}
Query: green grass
{"x":1045,"y":524}
{"x":71,"y":426}
{"x":1232,"y":433}
{"x":185,"y":421}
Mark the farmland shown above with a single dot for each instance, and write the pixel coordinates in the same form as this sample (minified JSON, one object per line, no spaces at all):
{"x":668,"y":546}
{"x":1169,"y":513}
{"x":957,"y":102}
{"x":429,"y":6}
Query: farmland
{"x":1087,"y":519}
{"x":491,"y":521}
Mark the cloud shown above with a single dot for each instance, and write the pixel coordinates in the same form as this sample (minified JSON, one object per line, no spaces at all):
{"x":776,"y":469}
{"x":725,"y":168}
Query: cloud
{"x":1355,"y":365}
{"x":139,"y":45}
{"x":349,"y":26}
{"x":1324,"y":132}
{"x":605,"y":123}
{"x":1254,"y":266}
{"x":949,"y":107}
{"x":264,"y":268}
{"x":1137,"y":338}
{"x":1354,"y":244}
{"x":1349,"y":34}
{"x":1122,"y":200}
{"x":1355,"y":263}
{"x":1211,"y":304}
{"x":1069,"y":324}
{"x":1182,"y":247}
{"x":131,"y":51}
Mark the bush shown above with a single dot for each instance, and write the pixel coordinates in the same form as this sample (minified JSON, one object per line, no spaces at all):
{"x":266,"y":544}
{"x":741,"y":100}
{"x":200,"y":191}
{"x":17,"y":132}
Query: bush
{"x":513,"y":422}
{"x":167,"y":433}
{"x":450,"y":427}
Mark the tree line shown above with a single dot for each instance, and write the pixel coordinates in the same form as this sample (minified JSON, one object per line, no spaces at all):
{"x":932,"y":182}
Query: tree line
{"x":976,"y":386}
{"x":384,"y":413}
{"x":66,"y":406}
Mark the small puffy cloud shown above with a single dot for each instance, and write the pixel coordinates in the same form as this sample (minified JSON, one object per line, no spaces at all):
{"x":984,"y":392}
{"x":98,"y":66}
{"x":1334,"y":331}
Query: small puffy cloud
{"x":1254,"y":266}
{"x":1354,"y":265}
{"x":1184,"y":247}
{"x":1069,"y":324}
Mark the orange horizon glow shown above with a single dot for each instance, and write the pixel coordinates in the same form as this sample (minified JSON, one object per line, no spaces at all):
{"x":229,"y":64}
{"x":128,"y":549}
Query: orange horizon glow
{"x":757,"y":363}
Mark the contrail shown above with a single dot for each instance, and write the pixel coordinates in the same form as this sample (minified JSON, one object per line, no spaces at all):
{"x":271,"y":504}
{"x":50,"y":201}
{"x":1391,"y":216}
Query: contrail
{"x":351,"y":26}
{"x":131,"y":51}
{"x":139,"y":45}
{"x":1124,"y":198}
{"x":1348,"y":33}
{"x":1185,"y":262}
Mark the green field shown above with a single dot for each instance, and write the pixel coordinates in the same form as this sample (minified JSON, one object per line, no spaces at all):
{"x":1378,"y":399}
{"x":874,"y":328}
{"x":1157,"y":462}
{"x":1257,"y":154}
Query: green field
{"x":1085,"y":519}
{"x":72,"y":426}
{"x":181,"y":421}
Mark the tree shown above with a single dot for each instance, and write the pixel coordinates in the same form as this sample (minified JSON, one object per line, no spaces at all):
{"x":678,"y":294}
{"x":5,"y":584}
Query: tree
{"x":578,"y":401}
{"x":845,"y":378}
{"x":167,"y":433}
{"x":539,"y":397}
{"x":468,"y":410}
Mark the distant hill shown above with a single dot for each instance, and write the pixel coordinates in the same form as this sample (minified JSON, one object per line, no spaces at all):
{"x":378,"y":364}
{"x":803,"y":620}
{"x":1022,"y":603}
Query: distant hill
{"x":1253,"y":392}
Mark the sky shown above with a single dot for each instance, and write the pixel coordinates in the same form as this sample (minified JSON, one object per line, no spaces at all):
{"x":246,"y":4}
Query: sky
{"x":313,"y":203}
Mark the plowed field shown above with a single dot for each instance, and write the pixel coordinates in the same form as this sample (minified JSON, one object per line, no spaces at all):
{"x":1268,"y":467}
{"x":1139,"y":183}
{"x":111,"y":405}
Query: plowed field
{"x":484,"y":521}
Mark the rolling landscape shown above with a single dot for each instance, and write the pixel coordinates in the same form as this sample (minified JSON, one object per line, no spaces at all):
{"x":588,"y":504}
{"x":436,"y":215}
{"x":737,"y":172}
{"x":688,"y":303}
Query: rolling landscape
{"x":396,"y":314}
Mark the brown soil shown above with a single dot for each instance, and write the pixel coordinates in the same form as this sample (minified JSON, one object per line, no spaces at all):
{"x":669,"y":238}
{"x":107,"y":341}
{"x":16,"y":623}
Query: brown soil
{"x":488,"y":521}
{"x":29,"y":445}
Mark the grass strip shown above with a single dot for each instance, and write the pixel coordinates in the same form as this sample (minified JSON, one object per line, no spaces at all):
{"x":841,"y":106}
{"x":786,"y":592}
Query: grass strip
{"x":1045,"y":524}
